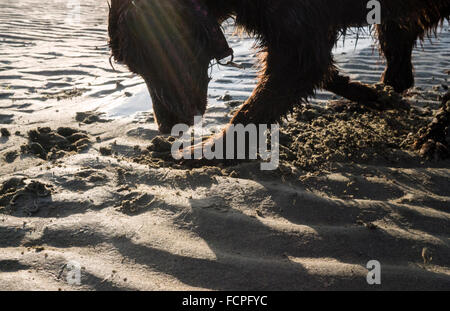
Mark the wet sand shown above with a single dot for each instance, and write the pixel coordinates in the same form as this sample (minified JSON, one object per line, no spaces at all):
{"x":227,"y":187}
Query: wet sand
{"x":94,"y":193}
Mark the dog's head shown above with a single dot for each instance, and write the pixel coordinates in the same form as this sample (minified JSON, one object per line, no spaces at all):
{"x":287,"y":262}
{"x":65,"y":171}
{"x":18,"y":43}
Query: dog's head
{"x":170,"y":44}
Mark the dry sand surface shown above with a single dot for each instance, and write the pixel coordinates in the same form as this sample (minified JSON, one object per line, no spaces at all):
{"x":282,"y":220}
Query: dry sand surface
{"x":82,"y":177}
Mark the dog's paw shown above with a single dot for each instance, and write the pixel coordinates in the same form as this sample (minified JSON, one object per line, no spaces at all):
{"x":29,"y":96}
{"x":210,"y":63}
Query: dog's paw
{"x":198,"y":155}
{"x":387,"y":98}
{"x":345,"y":105}
{"x":371,"y":97}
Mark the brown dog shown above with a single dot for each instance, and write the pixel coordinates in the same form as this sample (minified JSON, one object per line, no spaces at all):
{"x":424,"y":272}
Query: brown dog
{"x":171,"y":43}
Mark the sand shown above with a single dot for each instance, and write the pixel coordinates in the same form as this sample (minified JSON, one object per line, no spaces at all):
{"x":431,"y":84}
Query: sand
{"x":83,"y":179}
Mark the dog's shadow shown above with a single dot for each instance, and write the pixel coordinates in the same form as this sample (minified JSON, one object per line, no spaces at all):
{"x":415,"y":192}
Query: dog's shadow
{"x":321,"y":243}
{"x":297,"y":240}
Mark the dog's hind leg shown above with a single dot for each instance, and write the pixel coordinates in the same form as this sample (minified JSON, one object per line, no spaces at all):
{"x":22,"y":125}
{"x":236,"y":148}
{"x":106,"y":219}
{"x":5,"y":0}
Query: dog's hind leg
{"x":354,"y":91}
{"x":291,"y":74}
{"x":396,"y":44}
{"x":361,"y":93}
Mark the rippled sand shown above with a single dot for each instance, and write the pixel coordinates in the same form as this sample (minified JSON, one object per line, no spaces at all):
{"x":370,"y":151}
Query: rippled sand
{"x":130,"y":226}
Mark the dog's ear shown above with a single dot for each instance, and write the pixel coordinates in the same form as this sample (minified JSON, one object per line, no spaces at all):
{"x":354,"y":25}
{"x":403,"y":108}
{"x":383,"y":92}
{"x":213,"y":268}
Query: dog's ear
{"x":218,"y":43}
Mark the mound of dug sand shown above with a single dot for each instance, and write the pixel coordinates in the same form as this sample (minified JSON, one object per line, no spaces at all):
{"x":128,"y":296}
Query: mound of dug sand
{"x":51,"y":145}
{"x":317,"y":138}
{"x":435,"y":137}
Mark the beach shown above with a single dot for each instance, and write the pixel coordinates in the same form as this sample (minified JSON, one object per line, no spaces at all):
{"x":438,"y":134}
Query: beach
{"x":84,"y":181}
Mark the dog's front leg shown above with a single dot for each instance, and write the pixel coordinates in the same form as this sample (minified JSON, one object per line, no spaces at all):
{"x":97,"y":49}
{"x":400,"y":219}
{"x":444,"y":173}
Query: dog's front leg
{"x":292,"y":72}
{"x":291,"y":75}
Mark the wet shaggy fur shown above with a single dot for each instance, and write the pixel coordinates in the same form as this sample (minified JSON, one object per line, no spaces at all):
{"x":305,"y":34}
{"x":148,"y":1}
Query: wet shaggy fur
{"x":296,"y":38}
